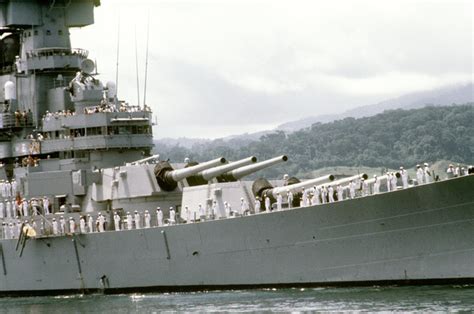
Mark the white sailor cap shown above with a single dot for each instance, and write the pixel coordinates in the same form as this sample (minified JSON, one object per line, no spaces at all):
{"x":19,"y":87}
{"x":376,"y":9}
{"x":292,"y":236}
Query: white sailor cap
{"x":426,"y":164}
{"x":171,"y":207}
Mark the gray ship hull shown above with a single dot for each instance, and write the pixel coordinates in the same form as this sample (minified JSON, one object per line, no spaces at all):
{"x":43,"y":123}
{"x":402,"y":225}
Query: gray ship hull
{"x":421,"y":234}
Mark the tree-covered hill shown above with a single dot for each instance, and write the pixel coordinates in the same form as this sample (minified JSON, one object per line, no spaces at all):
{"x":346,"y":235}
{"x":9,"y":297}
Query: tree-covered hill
{"x":390,"y":139}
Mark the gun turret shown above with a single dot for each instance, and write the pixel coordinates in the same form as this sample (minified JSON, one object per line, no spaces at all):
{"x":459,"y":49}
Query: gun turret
{"x":168,"y":178}
{"x":246,"y":170}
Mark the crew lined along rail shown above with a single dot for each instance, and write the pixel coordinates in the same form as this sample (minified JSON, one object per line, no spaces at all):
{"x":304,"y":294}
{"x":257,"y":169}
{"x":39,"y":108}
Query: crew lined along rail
{"x":36,"y":216}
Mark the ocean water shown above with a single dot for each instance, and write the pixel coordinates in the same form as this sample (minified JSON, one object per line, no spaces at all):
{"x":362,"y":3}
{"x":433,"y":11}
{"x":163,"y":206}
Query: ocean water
{"x":366,"y":299}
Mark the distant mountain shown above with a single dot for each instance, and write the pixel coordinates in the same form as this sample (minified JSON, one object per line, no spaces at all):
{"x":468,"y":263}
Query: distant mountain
{"x":453,"y":94}
{"x":457,"y":94}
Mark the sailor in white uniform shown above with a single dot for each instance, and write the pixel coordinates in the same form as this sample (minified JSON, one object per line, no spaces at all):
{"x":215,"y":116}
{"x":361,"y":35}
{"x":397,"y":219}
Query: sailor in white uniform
{"x":202,"y":214}
{"x":376,"y":185}
{"x":420,"y":175}
{"x":82,"y":224}
{"x":289,"y":195}
{"x":450,"y":171}
{"x":457,"y":171}
{"x":267,"y":204}
{"x":24,"y":206}
{"x":214,"y":210}
{"x":13,"y":187}
{"x":258,"y":205}
{"x":147,"y":219}
{"x":365,"y":187}
{"x":340,"y":192}
{"x":46,"y":205}
{"x":90,"y":223}
{"x":9,"y":209}
{"x":2,"y":210}
{"x":324,"y":194}
{"x":243,"y":207}
{"x":172,"y":219}
{"x":315,"y":198}
{"x":116,"y":221}
{"x":187,"y":214}
{"x":393,"y":182}
{"x":8,"y":189}
{"x":352,"y":187}
{"x":129,"y":221}
{"x":428,"y":174}
{"x":305,"y":197}
{"x":389,"y":181}
{"x":404,"y":175}
{"x":55,"y":227}
{"x":101,"y":222}
{"x":279,"y":201}
{"x":159,"y":217}
{"x":72,"y":225}
{"x":331,"y":194}
{"x":62,"y":225}
{"x":138,"y":220}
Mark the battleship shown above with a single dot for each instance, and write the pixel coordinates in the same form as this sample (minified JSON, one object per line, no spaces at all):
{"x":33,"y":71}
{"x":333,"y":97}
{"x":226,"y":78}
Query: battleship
{"x":86,"y":207}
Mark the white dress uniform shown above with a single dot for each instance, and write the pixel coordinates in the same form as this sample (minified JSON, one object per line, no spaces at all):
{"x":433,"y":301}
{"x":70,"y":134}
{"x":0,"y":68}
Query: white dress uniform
{"x":8,"y":189}
{"x":279,"y":201}
{"x":46,"y":205}
{"x":55,"y":227}
{"x":147,"y":219}
{"x":389,"y":182}
{"x":138,"y":220}
{"x":172,"y":216}
{"x":305,"y":197}
{"x":340,"y":193}
{"x":365,"y":188}
{"x":202,"y":214}
{"x":72,"y":225}
{"x":90,"y":223}
{"x":159,"y":217}
{"x":394,"y":182}
{"x":331,"y":194}
{"x":117,"y":222}
{"x":24,"y":206}
{"x":62,"y":224}
{"x":428,"y":175}
{"x":82,"y":225}
{"x":2,"y":209}
{"x":257,"y":206}
{"x":8,"y":208}
{"x":420,"y":176}
{"x":187,"y":214}
{"x":14,"y":186}
{"x":101,"y":221}
{"x":404,"y":175}
{"x":267,"y":204}
{"x":324,"y":195}
{"x":290,"y":199}
{"x":352,"y":190}
{"x":129,"y":221}
{"x":376,"y":186}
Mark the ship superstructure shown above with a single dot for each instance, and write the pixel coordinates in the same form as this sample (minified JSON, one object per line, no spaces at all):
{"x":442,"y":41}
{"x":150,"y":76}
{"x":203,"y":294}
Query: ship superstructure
{"x":56,"y":117}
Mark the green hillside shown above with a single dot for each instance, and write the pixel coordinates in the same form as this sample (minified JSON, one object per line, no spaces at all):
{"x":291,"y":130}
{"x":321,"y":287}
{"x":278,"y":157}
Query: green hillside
{"x":389,"y":139}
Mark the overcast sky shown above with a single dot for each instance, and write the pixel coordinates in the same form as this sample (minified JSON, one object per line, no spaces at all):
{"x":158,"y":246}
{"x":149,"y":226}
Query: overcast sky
{"x":222,"y":67}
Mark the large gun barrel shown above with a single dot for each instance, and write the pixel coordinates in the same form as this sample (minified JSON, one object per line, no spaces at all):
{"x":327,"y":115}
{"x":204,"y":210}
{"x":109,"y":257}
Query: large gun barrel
{"x":246,"y":170}
{"x":217,"y":171}
{"x":382,"y":179}
{"x":349,"y":179}
{"x":168,"y":178}
{"x":141,"y":161}
{"x":298,"y":186}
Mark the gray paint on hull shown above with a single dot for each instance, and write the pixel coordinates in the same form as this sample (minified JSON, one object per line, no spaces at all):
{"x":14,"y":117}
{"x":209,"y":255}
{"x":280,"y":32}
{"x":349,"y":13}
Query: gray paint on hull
{"x":422,"y":233}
